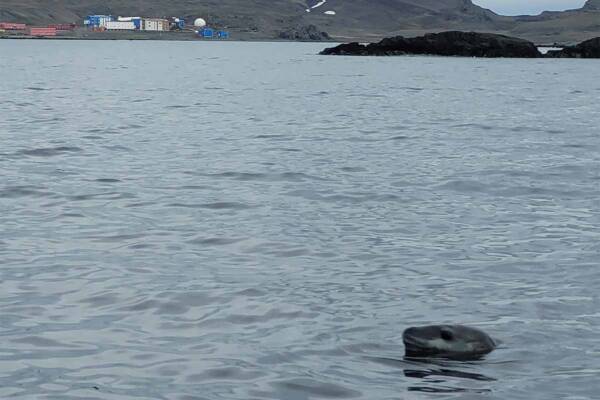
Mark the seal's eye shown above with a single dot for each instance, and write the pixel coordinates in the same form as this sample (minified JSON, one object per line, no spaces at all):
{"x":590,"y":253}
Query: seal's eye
{"x":446,"y":334}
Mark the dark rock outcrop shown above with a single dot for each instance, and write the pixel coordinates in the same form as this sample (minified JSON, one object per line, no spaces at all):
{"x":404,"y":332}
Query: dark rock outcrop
{"x":347,"y":49}
{"x":453,"y":43}
{"x":304,"y":33}
{"x":588,"y":49}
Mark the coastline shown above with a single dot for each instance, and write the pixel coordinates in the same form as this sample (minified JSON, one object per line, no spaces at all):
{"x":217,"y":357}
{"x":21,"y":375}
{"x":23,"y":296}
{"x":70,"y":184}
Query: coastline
{"x":237,"y":40}
{"x":188,"y":36}
{"x":195,"y":39}
{"x":179,"y":37}
{"x":174,"y":36}
{"x":84,"y":34}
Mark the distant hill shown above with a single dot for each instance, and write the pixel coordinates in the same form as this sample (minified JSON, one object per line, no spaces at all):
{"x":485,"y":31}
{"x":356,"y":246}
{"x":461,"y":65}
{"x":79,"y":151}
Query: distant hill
{"x":592,"y":5}
{"x":341,"y":19}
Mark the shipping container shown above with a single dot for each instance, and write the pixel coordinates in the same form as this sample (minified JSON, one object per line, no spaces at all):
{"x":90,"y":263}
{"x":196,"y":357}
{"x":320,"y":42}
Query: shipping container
{"x":35,"y":31}
{"x":120,"y":26}
{"x":206,"y":33}
{"x":62,"y":27}
{"x":11,"y":26}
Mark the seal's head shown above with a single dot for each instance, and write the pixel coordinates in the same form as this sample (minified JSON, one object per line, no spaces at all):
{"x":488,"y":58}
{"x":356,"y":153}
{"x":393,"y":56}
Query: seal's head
{"x":447,"y":341}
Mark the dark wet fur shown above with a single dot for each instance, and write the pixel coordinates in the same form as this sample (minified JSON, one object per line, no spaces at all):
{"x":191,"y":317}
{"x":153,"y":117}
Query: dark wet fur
{"x":420,"y":342}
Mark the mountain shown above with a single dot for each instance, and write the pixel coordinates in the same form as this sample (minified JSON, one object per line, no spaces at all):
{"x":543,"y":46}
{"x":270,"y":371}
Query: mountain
{"x":341,"y":19}
{"x":569,"y":26}
{"x":592,"y":5}
{"x":381,"y":17}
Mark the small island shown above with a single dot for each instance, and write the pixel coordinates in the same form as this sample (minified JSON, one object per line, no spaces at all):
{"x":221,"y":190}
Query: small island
{"x":463,"y":44}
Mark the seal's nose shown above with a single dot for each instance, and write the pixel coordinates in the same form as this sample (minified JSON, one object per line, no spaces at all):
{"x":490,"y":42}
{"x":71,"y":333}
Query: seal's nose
{"x":409,"y":333}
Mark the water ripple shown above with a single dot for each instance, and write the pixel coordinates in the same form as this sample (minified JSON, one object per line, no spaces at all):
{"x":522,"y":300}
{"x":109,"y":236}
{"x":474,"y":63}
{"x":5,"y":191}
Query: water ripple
{"x":51,"y":151}
{"x":268,"y":231}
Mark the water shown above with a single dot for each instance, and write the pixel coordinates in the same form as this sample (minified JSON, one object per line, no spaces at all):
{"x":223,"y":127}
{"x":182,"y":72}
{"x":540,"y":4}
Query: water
{"x":253,"y":221}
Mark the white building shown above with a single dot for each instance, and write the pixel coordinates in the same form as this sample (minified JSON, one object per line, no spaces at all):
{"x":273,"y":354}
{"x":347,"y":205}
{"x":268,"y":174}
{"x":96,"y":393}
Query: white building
{"x":120,"y":26}
{"x":155,"y":24}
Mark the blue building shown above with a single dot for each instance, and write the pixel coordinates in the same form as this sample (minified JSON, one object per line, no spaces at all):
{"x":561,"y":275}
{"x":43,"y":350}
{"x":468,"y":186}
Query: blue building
{"x":137,"y":22}
{"x":97,"y":21}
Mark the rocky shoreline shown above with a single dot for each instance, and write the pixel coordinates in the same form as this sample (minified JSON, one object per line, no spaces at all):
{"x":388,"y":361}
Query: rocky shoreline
{"x":588,"y":49}
{"x":463,"y":44}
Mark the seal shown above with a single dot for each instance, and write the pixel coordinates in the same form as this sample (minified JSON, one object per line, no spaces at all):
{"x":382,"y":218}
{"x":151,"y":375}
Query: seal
{"x":447,"y":341}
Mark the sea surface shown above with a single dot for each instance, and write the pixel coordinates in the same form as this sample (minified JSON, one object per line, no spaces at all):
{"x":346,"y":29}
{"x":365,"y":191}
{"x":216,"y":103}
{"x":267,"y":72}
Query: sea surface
{"x":229,"y":220}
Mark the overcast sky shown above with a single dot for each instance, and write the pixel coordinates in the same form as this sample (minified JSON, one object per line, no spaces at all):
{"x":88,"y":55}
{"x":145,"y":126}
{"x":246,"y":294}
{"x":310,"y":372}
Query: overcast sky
{"x":515,"y":7}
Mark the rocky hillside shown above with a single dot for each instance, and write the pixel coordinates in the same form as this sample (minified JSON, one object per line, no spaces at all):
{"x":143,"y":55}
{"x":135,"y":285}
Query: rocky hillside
{"x":571,"y":26}
{"x":341,"y":19}
{"x":592,"y":5}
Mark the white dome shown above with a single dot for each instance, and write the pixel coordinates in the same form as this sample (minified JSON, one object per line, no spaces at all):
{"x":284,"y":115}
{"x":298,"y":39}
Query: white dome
{"x":199,"y":22}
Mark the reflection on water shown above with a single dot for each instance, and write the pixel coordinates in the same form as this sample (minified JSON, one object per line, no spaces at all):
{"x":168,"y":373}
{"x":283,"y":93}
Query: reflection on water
{"x":252,"y":221}
{"x":445,"y":372}
{"x":426,"y":389}
{"x":438,"y":375}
